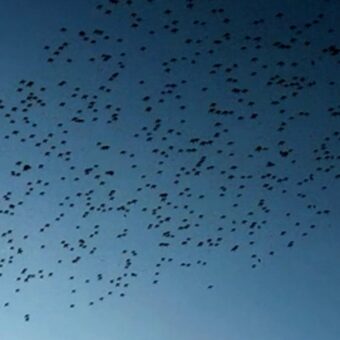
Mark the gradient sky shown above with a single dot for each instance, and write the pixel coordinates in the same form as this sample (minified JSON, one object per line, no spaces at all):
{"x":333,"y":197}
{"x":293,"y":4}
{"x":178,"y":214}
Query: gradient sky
{"x":289,"y":294}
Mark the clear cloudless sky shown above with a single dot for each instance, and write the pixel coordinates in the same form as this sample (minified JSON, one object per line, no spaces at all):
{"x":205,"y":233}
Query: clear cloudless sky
{"x":228,"y":108}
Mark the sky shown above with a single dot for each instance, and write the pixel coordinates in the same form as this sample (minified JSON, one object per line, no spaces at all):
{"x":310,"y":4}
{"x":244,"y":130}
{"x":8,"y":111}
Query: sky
{"x":169,"y":170}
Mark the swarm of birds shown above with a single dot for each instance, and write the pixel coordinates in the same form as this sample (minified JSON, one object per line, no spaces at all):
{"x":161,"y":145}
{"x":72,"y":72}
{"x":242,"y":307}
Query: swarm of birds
{"x":188,"y":132}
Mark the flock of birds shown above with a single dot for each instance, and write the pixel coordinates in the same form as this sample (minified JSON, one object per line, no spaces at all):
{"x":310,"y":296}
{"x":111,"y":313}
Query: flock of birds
{"x":195,"y":133}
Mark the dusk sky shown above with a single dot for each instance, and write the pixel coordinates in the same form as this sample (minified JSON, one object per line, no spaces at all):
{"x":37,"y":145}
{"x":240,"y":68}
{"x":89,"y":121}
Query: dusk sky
{"x":170,"y":170}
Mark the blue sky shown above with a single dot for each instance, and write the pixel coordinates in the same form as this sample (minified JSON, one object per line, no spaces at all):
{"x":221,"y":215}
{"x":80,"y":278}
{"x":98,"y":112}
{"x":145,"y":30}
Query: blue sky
{"x":238,"y":130}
